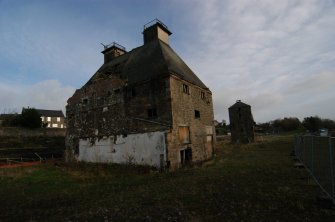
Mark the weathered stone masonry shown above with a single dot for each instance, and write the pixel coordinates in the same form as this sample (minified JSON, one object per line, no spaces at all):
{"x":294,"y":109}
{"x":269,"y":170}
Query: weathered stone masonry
{"x":241,"y":123}
{"x":144,"y":106}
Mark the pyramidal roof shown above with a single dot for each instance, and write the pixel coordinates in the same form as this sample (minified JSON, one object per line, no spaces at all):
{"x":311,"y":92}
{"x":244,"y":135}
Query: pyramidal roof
{"x":239,"y":104}
{"x":153,"y":60}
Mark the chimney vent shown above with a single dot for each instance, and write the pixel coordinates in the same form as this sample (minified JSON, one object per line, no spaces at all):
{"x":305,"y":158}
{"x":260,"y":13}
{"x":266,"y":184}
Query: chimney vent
{"x":112,"y":51}
{"x":156,"y":30}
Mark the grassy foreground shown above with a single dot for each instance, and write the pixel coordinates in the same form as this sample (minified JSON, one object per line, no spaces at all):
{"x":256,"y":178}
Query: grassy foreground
{"x":255,"y":182}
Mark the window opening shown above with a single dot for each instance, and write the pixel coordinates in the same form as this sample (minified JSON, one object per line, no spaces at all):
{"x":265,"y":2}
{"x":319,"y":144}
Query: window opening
{"x":202,"y":95}
{"x":186,"y":89}
{"x":196,"y":114}
{"x":133,"y":92}
{"x":152,"y":112}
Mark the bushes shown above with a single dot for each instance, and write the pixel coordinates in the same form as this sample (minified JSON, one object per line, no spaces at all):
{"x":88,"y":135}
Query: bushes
{"x":313,"y":123}
{"x":29,"y":118}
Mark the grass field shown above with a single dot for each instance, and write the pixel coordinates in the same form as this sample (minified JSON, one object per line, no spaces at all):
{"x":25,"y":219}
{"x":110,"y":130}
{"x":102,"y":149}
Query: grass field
{"x":255,"y":182}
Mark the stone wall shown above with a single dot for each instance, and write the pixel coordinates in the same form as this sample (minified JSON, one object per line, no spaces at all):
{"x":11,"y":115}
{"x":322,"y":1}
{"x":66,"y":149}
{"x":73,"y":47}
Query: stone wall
{"x":111,"y":107}
{"x":19,"y":132}
{"x":241,"y":124}
{"x":201,"y":128}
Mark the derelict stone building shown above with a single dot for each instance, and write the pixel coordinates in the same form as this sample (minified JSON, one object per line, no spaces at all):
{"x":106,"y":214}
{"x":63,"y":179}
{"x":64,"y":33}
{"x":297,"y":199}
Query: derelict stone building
{"x":145,"y":106}
{"x":241,"y":123}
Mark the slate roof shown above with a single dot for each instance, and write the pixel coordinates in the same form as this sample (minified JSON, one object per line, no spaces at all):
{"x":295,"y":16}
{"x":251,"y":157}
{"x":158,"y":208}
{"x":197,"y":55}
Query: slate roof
{"x":239,"y":104}
{"x":50,"y":113}
{"x":153,"y":60}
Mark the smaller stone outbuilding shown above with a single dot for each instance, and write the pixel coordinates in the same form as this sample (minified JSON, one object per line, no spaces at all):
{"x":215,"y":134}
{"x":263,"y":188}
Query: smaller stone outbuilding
{"x":241,"y":123}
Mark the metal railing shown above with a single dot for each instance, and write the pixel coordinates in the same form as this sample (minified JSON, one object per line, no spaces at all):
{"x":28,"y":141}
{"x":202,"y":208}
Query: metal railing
{"x":317,"y":153}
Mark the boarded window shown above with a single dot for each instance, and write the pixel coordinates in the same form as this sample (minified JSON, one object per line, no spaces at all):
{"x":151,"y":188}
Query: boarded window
{"x":209,"y":130}
{"x":209,"y":138}
{"x":184,"y":134}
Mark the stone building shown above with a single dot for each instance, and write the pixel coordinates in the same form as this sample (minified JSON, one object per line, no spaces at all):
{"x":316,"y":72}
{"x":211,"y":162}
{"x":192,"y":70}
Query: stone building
{"x":241,"y":123}
{"x":145,"y":106}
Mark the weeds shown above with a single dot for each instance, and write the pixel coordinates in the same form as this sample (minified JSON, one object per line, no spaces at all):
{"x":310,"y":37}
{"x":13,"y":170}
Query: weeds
{"x":253,"y":182}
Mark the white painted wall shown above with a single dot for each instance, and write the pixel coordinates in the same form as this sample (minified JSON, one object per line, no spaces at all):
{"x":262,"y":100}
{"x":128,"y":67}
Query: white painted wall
{"x":142,"y":149}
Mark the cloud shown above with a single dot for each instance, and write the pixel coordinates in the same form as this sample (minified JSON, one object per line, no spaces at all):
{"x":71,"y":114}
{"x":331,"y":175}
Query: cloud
{"x":48,"y":94}
{"x":318,"y":83}
{"x":270,"y":54}
{"x":277,"y":56}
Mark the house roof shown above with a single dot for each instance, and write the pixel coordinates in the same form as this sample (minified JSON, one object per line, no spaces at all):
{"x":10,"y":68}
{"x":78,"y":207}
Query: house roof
{"x":153,"y":60}
{"x":50,"y":113}
{"x":239,"y":104}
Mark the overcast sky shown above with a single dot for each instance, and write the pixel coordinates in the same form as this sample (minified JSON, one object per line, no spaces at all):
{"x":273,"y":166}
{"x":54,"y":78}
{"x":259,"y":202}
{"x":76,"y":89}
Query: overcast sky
{"x":276,"y":55}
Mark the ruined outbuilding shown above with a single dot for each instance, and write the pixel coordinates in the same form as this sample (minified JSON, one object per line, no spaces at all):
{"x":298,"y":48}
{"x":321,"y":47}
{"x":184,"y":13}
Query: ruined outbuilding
{"x":241,"y":123}
{"x":145,"y":106}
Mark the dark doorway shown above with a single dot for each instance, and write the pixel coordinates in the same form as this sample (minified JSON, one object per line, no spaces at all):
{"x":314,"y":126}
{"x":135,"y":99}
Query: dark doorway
{"x":186,"y":156}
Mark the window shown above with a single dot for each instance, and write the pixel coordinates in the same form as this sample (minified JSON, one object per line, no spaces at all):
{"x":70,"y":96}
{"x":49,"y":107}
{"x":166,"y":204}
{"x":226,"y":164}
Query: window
{"x":48,"y":118}
{"x":184,"y":134}
{"x":196,"y":114}
{"x":152,"y":112}
{"x":202,"y":95}
{"x":58,"y":119}
{"x":42,"y":118}
{"x":186,"y":89}
{"x":133,"y":92}
{"x":54,"y":125}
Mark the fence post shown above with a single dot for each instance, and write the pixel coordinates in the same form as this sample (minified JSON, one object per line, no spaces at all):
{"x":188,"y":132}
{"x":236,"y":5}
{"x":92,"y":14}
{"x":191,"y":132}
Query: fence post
{"x":312,"y":167}
{"x":331,"y":166}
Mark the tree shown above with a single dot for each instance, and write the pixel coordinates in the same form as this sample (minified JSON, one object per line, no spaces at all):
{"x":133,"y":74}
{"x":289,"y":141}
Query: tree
{"x":30,"y":118}
{"x":312,"y":123}
{"x":328,"y":123}
{"x":287,"y":124}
